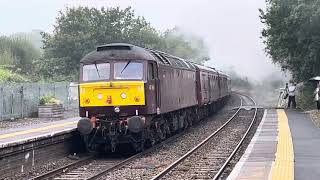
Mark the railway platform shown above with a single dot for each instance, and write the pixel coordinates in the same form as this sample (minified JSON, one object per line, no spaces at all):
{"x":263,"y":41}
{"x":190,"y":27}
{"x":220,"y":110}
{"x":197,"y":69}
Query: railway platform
{"x":285,"y":146}
{"x":17,"y":136}
{"x":26,"y":147}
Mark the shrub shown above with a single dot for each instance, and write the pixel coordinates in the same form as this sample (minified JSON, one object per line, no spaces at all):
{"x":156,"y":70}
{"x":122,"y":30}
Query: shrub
{"x":305,"y":98}
{"x":49,"y":100}
{"x":7,"y":76}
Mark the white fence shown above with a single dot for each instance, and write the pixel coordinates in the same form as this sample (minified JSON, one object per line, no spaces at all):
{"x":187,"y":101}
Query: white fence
{"x":22,"y":99}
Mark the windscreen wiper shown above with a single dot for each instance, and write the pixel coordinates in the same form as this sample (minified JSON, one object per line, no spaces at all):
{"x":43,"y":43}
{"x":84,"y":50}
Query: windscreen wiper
{"x":125,"y":66}
{"x":95,"y":65}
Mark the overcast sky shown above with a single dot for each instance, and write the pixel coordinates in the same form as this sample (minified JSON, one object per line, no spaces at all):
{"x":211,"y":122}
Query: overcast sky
{"x":231,"y":28}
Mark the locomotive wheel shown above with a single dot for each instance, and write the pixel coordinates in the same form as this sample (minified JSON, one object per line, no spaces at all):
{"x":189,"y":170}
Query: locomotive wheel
{"x":139,"y":146}
{"x":161,"y":132}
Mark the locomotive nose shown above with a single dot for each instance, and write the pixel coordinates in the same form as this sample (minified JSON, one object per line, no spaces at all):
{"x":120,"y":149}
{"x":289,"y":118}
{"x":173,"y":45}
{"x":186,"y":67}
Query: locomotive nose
{"x":135,"y":124}
{"x":84,"y":126}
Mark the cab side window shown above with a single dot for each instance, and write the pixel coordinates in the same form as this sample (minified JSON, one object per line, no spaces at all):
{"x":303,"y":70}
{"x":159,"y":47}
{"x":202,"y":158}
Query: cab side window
{"x":151,"y":71}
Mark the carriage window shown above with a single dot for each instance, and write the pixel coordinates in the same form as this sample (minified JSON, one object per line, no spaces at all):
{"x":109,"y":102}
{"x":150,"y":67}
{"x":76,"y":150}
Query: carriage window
{"x":128,"y":70}
{"x":94,"y":72}
{"x":150,"y":71}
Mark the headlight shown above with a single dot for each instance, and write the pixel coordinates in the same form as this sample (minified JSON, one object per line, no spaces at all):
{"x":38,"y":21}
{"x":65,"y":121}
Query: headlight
{"x":87,"y":101}
{"x":123,"y":95}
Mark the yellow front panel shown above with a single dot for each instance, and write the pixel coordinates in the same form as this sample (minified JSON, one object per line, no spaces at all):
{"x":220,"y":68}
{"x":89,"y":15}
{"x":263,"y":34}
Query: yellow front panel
{"x":98,"y":93}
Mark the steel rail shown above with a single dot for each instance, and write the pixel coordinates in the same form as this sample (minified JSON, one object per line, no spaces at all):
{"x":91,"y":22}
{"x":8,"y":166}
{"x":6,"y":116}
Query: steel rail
{"x":101,"y":173}
{"x":177,"y":162}
{"x":64,"y":169}
{"x":72,"y":166}
{"x":96,"y":176}
{"x":221,"y":170}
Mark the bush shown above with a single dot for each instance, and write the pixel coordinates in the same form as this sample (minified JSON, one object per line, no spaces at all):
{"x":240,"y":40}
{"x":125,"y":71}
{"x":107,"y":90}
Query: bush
{"x":18,"y":51}
{"x":7,"y":76}
{"x":305,"y":99}
{"x":49,"y":100}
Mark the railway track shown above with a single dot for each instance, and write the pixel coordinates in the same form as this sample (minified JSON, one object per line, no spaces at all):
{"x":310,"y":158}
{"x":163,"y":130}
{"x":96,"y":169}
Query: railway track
{"x":209,"y":159}
{"x":93,"y":167}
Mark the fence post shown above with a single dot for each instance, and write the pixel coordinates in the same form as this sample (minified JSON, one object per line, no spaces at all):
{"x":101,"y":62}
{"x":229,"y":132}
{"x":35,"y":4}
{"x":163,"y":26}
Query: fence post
{"x":2,"y":109}
{"x":39,"y":96}
{"x":54,"y":89}
{"x":12,"y":105}
{"x":22,"y":101}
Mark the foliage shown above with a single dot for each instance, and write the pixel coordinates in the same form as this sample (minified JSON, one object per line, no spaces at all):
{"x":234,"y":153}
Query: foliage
{"x":7,"y":76}
{"x":185,"y":46}
{"x":292,"y":36}
{"x":78,"y":30}
{"x":305,"y":99}
{"x":19,"y":53}
{"x":237,"y":81}
{"x":34,"y":37}
{"x":49,"y":100}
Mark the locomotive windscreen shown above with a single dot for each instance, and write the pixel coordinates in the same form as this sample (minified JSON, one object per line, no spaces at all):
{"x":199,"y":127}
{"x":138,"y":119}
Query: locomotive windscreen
{"x":128,"y":70}
{"x":95,"y":72}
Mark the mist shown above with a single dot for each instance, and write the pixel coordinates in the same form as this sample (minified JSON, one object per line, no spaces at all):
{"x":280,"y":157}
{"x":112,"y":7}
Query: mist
{"x":230,"y":29}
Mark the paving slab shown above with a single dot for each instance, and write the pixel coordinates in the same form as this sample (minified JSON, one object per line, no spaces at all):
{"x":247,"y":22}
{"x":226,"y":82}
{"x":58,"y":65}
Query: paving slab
{"x":16,"y":136}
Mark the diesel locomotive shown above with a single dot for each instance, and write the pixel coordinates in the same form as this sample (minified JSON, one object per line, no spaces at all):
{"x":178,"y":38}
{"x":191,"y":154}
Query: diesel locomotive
{"x":133,"y":95}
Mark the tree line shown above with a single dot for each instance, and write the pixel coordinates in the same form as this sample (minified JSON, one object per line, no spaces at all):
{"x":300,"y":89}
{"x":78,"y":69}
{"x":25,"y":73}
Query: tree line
{"x":17,"y":54}
{"x":77,"y":31}
{"x":292,"y":36}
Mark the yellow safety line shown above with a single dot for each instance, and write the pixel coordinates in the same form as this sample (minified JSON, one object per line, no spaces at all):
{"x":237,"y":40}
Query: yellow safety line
{"x":283,"y":167}
{"x":3,"y":136}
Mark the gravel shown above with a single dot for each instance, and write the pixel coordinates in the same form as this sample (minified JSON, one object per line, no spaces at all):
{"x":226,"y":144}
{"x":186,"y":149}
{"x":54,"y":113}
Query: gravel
{"x":153,"y":163}
{"x":206,"y":161}
{"x":315,"y":116}
{"x":37,"y":170}
{"x":90,"y":169}
{"x":244,"y":145}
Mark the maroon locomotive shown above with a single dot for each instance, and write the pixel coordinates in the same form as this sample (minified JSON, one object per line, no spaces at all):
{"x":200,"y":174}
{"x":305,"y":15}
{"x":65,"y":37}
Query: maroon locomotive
{"x":133,"y":95}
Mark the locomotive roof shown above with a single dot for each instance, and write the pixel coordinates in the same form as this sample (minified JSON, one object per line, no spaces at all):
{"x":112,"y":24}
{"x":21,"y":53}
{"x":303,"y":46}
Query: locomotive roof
{"x":223,"y":74}
{"x":126,"y":51}
{"x":205,"y":68}
{"x":117,"y":51}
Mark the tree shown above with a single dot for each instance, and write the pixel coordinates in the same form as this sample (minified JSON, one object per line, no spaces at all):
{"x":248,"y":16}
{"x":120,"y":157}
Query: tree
{"x":78,"y":30}
{"x":292,"y":36}
{"x":33,"y":37}
{"x":18,"y":53}
{"x":186,"y":46}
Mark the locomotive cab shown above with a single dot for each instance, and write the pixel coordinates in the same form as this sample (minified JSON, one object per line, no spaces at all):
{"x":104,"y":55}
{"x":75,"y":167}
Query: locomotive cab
{"x":117,"y":97}
{"x":113,"y":84}
{"x":118,"y":84}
